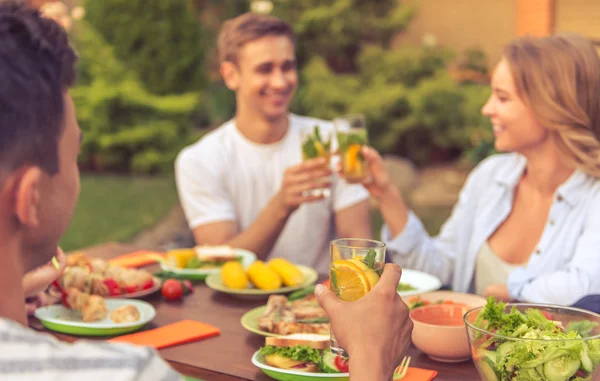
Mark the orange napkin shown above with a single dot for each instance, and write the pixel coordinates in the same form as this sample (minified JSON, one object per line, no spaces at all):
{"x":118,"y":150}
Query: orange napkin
{"x":417,"y":374}
{"x":137,"y":258}
{"x":181,"y":332}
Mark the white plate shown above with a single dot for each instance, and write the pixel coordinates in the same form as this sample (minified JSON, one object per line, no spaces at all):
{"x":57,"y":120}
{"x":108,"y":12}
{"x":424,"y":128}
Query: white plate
{"x":61,"y":319}
{"x":423,"y":282}
{"x":247,"y":258}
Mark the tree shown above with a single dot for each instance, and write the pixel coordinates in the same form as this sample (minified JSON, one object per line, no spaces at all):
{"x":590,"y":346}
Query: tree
{"x":126,"y":128}
{"x":160,"y":40}
{"x":349,"y":64}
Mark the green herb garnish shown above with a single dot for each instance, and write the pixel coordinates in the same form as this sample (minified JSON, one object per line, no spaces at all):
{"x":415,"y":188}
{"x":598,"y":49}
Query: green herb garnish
{"x":298,"y":353}
{"x":319,"y":320}
{"x":333,"y":283}
{"x":314,"y":146}
{"x":369,"y":259}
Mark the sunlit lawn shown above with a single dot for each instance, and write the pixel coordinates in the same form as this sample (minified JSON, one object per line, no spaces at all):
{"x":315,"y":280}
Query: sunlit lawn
{"x":116,"y":208}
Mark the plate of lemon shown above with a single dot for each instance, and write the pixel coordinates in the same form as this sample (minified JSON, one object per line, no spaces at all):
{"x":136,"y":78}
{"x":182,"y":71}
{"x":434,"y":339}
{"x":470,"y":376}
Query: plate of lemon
{"x":259,"y":280}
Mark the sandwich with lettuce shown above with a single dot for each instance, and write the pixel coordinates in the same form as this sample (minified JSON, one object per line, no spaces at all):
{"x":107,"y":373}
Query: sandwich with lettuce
{"x":303,"y":353}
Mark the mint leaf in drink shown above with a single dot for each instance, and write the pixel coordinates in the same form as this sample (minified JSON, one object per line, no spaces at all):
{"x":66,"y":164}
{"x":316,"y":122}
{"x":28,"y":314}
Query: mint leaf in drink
{"x":318,"y":134}
{"x":309,"y":149}
{"x":333,"y":282}
{"x":369,"y":259}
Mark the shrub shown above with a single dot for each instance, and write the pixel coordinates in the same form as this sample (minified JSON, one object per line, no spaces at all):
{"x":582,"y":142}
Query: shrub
{"x":160,"y":40}
{"x":126,"y":128}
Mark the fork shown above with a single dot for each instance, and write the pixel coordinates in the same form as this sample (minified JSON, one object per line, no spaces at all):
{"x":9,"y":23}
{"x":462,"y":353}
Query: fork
{"x":401,"y":370}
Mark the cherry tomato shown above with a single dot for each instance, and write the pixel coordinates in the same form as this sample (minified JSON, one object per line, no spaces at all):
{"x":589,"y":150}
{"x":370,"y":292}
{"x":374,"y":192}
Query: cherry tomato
{"x":172,"y":289}
{"x":341,"y":363}
{"x":188,"y":287}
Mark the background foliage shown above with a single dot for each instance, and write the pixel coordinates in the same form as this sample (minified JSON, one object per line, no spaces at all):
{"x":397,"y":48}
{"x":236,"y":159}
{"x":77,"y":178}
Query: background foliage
{"x":150,"y":82}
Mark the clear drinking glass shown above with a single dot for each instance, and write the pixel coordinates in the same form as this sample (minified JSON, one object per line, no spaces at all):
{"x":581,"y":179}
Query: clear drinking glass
{"x":351,"y":131}
{"x":317,"y":143}
{"x":355,"y":267}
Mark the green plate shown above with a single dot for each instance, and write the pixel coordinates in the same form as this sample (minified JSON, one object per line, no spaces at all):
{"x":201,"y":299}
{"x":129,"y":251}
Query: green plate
{"x":214,"y":281}
{"x":292,"y":375}
{"x":58,"y":318}
{"x":200,"y":274}
{"x":250,"y":321}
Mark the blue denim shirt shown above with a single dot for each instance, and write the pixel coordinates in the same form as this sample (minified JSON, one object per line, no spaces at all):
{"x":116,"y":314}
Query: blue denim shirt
{"x":565,"y":265}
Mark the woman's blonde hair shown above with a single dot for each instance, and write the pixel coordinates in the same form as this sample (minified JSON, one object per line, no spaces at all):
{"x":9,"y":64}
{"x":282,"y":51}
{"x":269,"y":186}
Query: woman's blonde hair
{"x":558,"y":78}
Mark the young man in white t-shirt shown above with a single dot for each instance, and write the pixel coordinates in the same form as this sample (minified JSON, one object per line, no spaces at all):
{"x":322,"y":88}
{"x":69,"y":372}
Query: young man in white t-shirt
{"x":245,"y":184}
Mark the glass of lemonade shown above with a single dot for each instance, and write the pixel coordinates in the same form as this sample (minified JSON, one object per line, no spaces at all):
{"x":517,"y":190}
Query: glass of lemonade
{"x":351,"y":133}
{"x":355,"y":267}
{"x":317,"y":143}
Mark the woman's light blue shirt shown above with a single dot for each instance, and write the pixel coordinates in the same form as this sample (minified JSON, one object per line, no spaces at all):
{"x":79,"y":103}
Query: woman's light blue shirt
{"x":565,"y":265}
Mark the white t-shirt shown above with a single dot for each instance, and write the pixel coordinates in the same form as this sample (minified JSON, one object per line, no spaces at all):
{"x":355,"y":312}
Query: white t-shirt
{"x":226,"y":177}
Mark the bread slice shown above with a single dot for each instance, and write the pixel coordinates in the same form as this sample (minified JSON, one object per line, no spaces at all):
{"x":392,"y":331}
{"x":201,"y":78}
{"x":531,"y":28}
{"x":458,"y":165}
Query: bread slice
{"x":311,"y":340}
{"x":221,"y":253}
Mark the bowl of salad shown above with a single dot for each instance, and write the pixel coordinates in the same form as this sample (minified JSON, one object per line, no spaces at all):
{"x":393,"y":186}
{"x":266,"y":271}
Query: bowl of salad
{"x":534,"y":342}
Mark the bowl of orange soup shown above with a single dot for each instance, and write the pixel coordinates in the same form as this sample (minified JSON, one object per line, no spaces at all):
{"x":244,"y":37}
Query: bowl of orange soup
{"x":440,"y":332}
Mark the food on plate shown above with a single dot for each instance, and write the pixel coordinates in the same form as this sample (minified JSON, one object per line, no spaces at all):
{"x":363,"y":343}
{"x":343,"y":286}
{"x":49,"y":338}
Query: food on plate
{"x":263,"y":277}
{"x":92,"y":307}
{"x":406,"y":287}
{"x":547,"y":350}
{"x":284,"y":317}
{"x":125,"y":314}
{"x":201,"y":257}
{"x":273,"y":275}
{"x":417,"y":301}
{"x":172,"y":289}
{"x":96,"y":276}
{"x":290,"y":274}
{"x":233,"y":275}
{"x":303,"y":353}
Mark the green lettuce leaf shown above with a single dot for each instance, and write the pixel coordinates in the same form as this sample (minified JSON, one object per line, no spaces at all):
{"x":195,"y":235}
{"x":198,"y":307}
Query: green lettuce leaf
{"x":298,"y":353}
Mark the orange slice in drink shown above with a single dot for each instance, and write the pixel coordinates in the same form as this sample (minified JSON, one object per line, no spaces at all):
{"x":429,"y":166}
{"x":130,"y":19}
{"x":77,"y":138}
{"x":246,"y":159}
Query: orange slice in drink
{"x":351,"y":282}
{"x":351,"y":157}
{"x":371,"y":275}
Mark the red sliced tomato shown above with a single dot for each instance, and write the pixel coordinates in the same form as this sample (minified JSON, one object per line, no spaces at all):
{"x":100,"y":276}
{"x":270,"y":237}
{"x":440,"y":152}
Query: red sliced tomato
{"x":341,"y":363}
{"x":113,"y":287}
{"x":148,"y":284}
{"x":547,"y":315}
{"x":130,"y":288}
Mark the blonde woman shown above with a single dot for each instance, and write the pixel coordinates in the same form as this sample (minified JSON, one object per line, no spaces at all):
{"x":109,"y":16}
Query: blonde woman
{"x":527,"y":222}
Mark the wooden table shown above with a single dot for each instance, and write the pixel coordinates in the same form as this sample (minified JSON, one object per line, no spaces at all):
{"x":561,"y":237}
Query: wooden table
{"x":227,"y":357}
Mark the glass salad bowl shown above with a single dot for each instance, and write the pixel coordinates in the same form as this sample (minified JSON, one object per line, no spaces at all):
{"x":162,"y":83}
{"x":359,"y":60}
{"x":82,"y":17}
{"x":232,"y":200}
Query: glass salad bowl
{"x":534,"y":342}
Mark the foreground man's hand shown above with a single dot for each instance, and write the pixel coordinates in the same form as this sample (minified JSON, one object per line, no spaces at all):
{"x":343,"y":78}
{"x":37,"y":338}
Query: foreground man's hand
{"x":375,"y":331}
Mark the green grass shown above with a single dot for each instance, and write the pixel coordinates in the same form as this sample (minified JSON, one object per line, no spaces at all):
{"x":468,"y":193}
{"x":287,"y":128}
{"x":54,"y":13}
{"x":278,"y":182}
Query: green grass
{"x":116,"y":208}
{"x":432,"y":218}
